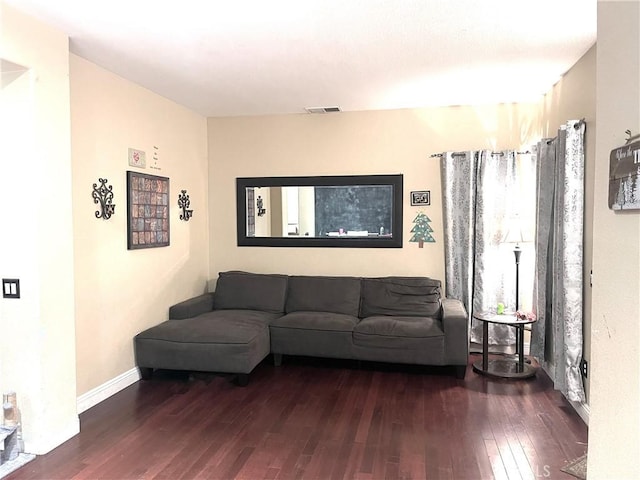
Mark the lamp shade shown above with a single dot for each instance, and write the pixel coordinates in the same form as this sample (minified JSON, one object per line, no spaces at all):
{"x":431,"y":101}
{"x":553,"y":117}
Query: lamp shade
{"x":515,"y":232}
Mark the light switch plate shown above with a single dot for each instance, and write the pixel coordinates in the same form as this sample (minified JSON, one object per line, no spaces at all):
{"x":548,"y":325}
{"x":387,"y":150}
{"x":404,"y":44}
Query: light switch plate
{"x":10,"y":288}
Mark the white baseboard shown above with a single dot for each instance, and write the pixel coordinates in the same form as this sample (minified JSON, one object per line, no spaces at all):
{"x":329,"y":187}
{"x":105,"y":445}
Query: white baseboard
{"x":84,"y":402}
{"x":582,"y":409}
{"x":44,"y":445}
{"x":107,"y":389}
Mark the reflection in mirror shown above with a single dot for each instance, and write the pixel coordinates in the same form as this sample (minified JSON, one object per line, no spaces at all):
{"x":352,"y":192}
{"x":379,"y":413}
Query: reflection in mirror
{"x":354,"y":210}
{"x":332,"y":211}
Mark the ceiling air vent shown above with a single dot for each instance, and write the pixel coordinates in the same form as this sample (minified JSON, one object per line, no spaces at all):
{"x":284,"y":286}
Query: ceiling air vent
{"x":322,"y":109}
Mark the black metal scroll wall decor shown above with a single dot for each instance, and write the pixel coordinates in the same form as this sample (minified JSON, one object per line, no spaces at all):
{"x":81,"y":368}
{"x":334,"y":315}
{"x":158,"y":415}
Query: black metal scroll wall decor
{"x":184,"y":203}
{"x":103,"y":195}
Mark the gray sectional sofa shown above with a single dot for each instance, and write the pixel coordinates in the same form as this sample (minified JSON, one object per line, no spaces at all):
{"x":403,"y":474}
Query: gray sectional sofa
{"x":391,"y":319}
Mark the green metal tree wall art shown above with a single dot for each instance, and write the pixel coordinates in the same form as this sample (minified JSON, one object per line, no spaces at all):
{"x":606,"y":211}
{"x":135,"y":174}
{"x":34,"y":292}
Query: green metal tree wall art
{"x":422,"y":230}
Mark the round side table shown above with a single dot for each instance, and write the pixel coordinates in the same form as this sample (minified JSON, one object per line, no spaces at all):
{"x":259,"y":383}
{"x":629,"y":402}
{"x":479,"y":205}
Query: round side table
{"x":503,"y":368}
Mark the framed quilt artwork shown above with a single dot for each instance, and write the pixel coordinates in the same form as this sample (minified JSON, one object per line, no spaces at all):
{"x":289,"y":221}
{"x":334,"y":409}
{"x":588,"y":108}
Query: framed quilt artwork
{"x":147,"y":211}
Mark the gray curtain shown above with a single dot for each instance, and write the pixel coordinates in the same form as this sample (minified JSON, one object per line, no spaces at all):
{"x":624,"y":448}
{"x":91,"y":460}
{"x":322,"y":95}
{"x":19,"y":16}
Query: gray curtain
{"x":480,"y":192}
{"x":556,"y":338}
{"x":459,"y":183}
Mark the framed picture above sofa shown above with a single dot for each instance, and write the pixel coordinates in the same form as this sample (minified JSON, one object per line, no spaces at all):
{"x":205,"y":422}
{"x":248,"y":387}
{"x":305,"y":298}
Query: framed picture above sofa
{"x":147,"y":211}
{"x":354,"y":211}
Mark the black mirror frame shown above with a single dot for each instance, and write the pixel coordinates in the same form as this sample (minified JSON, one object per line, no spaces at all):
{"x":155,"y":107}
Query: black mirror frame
{"x":396,"y":181}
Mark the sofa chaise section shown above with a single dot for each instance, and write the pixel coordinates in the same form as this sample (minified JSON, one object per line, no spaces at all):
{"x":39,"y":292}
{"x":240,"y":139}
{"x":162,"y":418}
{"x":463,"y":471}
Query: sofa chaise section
{"x":226,"y":331}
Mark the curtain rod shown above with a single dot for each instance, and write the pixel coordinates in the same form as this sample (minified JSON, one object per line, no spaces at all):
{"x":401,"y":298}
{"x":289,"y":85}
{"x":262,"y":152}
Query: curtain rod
{"x":517,"y":153}
{"x":462,"y":154}
{"x":577,"y":125}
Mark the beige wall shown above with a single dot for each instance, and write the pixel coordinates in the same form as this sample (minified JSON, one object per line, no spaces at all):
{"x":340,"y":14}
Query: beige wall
{"x":573,"y":98}
{"x":614,"y":426}
{"x":120,"y":292}
{"x":378,"y":142}
{"x":37,"y":358}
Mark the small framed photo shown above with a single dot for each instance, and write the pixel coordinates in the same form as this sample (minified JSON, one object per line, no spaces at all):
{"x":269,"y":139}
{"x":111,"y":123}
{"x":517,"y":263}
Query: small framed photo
{"x":423,"y":197}
{"x":137,"y":158}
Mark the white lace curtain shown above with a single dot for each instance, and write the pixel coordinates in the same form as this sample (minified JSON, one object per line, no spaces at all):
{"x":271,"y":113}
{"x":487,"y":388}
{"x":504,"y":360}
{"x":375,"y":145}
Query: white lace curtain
{"x":484,"y":194}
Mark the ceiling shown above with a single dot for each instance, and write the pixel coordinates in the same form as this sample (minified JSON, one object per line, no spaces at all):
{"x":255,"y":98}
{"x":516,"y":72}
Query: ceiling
{"x":257,"y":57}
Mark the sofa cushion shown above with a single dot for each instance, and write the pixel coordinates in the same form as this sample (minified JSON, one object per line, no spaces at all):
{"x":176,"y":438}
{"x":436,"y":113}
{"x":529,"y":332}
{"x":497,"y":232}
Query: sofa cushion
{"x":324,"y":294}
{"x":217,"y":327}
{"x":316,"y":334}
{"x":396,"y":332}
{"x":403,"y":296}
{"x":250,"y":291}
{"x":316,"y":321}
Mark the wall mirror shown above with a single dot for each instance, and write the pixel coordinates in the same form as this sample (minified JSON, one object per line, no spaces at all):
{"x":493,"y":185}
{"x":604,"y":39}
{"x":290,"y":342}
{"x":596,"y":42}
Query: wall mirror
{"x":363,"y":211}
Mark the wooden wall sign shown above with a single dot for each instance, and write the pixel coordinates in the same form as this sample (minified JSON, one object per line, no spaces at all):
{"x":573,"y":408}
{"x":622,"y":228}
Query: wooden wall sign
{"x":624,"y":177}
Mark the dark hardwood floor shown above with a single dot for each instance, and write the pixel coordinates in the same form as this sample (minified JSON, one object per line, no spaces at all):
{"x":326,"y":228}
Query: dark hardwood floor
{"x":322,"y":419}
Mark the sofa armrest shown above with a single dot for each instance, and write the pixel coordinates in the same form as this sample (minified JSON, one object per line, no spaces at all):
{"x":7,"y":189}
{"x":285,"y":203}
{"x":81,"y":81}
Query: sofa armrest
{"x":192,"y":307}
{"x":456,"y":331}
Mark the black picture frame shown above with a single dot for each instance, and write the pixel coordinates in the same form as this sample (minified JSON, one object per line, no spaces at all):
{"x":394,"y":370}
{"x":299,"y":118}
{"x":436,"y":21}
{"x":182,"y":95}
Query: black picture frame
{"x":420,"y":197}
{"x":390,"y":239}
{"x":148,"y":211}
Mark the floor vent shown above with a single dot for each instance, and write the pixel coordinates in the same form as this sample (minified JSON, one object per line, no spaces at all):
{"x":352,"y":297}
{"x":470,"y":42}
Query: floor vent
{"x":322,"y":109}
